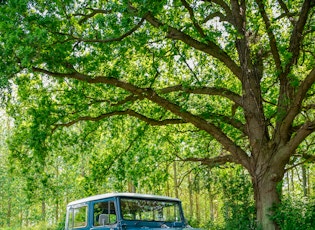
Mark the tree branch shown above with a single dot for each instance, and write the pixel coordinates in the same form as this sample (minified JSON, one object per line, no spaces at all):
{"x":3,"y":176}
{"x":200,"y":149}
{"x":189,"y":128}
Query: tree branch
{"x":296,"y":36}
{"x":238,"y":16}
{"x":286,"y":89}
{"x":221,"y":3}
{"x":210,"y":47}
{"x":227,"y":120}
{"x":305,"y":130}
{"x":94,"y":80}
{"x":307,"y":159}
{"x":237,"y":99}
{"x":193,"y":19}
{"x":308,"y":107}
{"x":286,"y":12}
{"x":239,"y":154}
{"x":85,"y":17}
{"x":212,"y":91}
{"x":297,"y":101}
{"x":213,"y":15}
{"x":272,"y":39}
{"x":129,"y":112}
{"x":212,"y":162}
{"x":116,"y":39}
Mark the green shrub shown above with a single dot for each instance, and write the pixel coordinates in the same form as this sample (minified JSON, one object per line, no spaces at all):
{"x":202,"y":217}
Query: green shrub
{"x":238,"y":208}
{"x":295,"y":214}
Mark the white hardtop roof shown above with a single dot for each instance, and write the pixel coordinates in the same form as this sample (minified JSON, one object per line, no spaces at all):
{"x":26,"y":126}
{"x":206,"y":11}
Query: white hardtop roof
{"x":132,"y":195}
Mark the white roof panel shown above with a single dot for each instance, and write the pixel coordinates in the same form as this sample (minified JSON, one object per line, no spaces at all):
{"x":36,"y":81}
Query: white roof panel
{"x":132,"y":195}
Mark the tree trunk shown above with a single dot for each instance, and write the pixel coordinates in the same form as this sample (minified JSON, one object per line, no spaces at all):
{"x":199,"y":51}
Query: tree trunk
{"x":9,"y":211}
{"x":175,"y":180}
{"x":292,"y":180}
{"x":305,"y":184}
{"x":57,"y":211}
{"x":288,"y":183}
{"x":197,"y":206}
{"x":43,"y":218}
{"x":191,"y":203}
{"x":131,"y":186}
{"x":211,"y":205}
{"x":266,"y":195}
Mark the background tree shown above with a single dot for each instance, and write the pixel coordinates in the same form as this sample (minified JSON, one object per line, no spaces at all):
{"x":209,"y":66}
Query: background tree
{"x":240,"y":72}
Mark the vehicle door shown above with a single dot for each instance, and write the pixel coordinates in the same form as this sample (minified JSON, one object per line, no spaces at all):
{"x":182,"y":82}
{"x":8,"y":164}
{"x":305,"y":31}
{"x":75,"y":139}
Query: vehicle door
{"x":104,"y":214}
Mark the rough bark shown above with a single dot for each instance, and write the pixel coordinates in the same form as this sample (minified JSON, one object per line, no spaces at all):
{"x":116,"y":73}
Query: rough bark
{"x":266,"y":196}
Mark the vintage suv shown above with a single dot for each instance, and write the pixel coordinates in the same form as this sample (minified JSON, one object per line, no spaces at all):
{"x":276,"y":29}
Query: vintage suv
{"x":126,"y":211}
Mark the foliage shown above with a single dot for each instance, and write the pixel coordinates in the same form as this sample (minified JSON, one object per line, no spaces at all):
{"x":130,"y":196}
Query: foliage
{"x":238,"y":209}
{"x":229,"y":187}
{"x":219,"y":81}
{"x":295,"y":214}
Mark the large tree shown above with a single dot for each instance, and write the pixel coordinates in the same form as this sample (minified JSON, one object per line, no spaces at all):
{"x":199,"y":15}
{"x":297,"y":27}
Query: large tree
{"x":241,"y":71}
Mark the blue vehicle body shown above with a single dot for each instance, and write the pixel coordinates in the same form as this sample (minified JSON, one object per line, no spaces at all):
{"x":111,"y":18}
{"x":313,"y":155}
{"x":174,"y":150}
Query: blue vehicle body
{"x":126,"y":211}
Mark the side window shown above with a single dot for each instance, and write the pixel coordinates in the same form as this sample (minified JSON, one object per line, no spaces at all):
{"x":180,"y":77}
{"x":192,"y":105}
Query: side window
{"x":104,"y":213}
{"x":77,"y":217}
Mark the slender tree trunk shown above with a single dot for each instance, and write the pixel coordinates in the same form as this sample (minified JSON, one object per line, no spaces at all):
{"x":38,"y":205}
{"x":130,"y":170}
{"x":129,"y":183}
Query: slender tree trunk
{"x":175,"y":180}
{"x":197,"y":206}
{"x":305,"y":184}
{"x":191,"y":203}
{"x":57,"y":210}
{"x":211,"y":204}
{"x":168,"y":189}
{"x":43,"y":210}
{"x":266,"y":195}
{"x":9,"y":212}
{"x":21,"y":218}
{"x":292,"y":180}
{"x":198,"y":215}
{"x":27,"y":215}
{"x":309,"y":190}
{"x":57,"y":196}
{"x":288,"y":182}
{"x":131,"y":186}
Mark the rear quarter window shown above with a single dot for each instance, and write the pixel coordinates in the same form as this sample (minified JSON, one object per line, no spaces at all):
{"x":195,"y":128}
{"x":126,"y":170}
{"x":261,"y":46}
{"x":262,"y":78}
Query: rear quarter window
{"x":77,"y":217}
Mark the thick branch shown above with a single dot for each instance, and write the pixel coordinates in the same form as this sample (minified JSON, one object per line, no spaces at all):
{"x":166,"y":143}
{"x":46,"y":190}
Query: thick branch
{"x":212,"y":91}
{"x":272,"y":39}
{"x":238,"y":16}
{"x":213,"y":162}
{"x":304,"y":131}
{"x":297,"y":101}
{"x":237,"y":99}
{"x":129,"y":112}
{"x":214,"y":15}
{"x":296,"y":36}
{"x":227,"y":120}
{"x":93,"y":80}
{"x":237,"y":152}
{"x":286,"y":89}
{"x":210,"y":47}
{"x":284,"y":152}
{"x":130,"y":98}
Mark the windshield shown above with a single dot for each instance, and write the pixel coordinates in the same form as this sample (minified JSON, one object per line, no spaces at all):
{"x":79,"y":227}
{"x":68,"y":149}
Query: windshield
{"x":150,"y":210}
